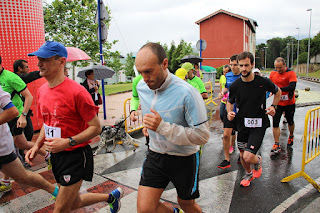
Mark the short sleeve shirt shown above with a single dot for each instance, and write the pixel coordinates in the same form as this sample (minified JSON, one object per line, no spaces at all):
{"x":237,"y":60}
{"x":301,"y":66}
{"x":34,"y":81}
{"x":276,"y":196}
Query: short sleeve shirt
{"x":11,"y":82}
{"x":283,"y":80}
{"x":198,"y":81}
{"x":67,"y":106}
{"x":250,"y":99}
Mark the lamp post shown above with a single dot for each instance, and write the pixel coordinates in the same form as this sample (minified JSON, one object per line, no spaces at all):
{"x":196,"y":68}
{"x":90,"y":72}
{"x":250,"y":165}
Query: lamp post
{"x":265,"y":58}
{"x":292,"y":55}
{"x":309,"y":10}
{"x":288,"y":53}
{"x":298,"y":51}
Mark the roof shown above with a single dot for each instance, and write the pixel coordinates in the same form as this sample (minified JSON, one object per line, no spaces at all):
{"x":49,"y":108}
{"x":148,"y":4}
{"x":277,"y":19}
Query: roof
{"x":252,"y":23}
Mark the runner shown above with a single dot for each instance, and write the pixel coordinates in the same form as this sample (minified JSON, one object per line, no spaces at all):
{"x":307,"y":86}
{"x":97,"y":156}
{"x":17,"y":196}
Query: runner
{"x":248,"y":93}
{"x":175,"y":120}
{"x":286,"y":80}
{"x":70,"y":122}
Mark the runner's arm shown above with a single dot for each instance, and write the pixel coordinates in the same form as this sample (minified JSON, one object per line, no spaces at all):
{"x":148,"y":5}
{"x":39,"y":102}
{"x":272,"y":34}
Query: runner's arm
{"x":290,"y":88}
{"x":8,"y":113}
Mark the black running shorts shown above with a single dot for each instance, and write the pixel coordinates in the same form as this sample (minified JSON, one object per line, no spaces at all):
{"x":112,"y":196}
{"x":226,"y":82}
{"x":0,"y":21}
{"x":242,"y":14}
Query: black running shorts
{"x":13,"y":127}
{"x":183,"y":171}
{"x":7,"y":159}
{"x":250,"y":139}
{"x":288,"y":110}
{"x":229,"y":124}
{"x":69,"y":167}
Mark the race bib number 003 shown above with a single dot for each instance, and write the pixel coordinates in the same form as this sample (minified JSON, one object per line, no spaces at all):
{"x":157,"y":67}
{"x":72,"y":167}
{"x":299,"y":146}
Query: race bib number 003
{"x":253,"y":122}
{"x":52,"y":132}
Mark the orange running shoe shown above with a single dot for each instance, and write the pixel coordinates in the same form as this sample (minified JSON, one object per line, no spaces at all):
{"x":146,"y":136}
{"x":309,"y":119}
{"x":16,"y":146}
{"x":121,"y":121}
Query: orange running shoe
{"x":290,"y":141}
{"x":276,"y":148}
{"x":247,"y":178}
{"x":257,"y":168}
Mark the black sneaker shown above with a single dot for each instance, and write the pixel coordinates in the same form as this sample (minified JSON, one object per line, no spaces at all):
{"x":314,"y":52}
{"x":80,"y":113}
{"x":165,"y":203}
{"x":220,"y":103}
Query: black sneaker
{"x":224,"y":164}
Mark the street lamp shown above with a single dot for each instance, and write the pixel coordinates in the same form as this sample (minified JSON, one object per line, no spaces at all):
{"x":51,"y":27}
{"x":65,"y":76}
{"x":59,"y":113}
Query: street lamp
{"x":288,"y":53}
{"x":292,"y":55}
{"x":265,"y":58}
{"x":309,"y":10}
{"x":298,"y":51}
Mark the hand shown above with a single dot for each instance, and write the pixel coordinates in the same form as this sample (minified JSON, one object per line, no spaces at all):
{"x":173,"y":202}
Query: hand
{"x":22,"y":121}
{"x":133,"y":116}
{"x":31,"y":154}
{"x":56,"y":145}
{"x":271,"y":111}
{"x":231,"y":115}
{"x":152,"y":121}
{"x":145,"y":132}
{"x":220,"y":95}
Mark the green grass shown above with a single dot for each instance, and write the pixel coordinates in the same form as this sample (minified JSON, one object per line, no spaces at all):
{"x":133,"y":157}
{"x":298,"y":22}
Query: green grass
{"x":116,"y":88}
{"x":311,"y":74}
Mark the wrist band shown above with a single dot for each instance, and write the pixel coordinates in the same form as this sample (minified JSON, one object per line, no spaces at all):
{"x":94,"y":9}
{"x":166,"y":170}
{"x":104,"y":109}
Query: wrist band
{"x":55,"y":192}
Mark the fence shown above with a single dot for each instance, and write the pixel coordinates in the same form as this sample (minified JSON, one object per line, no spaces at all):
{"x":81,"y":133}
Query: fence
{"x":209,"y":88}
{"x":131,"y":126}
{"x":311,"y":142}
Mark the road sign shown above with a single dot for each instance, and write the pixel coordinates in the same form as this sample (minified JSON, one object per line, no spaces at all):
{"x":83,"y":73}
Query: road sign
{"x":201,"y":45}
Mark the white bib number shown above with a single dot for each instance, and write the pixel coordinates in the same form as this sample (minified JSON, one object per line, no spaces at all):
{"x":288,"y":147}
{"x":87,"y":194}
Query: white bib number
{"x":284,"y":97}
{"x":52,"y":132}
{"x":253,"y":122}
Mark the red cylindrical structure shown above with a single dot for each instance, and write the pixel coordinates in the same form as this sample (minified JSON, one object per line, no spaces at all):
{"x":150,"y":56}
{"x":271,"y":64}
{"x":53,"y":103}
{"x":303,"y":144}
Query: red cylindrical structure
{"x":22,"y":32}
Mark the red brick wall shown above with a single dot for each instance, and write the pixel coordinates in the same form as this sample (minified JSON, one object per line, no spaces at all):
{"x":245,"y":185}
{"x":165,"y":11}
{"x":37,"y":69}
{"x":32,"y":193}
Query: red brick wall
{"x":224,"y":37}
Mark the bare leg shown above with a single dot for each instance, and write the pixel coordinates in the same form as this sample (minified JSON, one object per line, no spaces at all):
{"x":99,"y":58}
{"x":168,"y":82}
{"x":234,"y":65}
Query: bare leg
{"x":22,"y":176}
{"x":291,"y":129}
{"x":149,"y":200}
{"x":226,"y":142}
{"x":21,"y":142}
{"x":276,"y":134}
{"x":189,"y":206}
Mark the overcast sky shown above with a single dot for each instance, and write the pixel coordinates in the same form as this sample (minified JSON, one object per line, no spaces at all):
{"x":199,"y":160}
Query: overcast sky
{"x":134,"y":22}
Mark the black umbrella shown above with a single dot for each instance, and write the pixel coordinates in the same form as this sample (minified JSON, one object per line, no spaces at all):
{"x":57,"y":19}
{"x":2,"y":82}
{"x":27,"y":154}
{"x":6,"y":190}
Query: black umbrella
{"x":193,"y":59}
{"x":100,"y":72}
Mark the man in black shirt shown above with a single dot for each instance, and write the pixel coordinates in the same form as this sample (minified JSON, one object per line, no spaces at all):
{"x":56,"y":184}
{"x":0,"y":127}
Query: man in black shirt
{"x":249,"y":94}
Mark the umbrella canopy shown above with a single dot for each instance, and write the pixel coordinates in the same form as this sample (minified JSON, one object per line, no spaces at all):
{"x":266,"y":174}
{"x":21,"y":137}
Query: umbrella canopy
{"x":193,"y":59}
{"x":75,"y":54}
{"x":100,"y":72}
{"x":208,"y":68}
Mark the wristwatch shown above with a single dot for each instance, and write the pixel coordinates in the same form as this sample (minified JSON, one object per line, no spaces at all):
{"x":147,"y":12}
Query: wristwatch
{"x":24,"y":113}
{"x":275,"y":106}
{"x":72,"y":142}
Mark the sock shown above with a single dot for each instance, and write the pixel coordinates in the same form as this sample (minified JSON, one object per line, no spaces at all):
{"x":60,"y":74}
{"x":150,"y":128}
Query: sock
{"x":291,"y":136}
{"x":175,"y":210}
{"x":110,"y":199}
{"x":55,"y":192}
{"x":5,"y":182}
{"x":249,"y":173}
{"x":47,"y":156}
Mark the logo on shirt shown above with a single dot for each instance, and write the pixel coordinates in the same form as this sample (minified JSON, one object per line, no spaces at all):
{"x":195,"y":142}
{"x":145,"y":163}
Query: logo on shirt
{"x":167,"y":115}
{"x":251,"y":147}
{"x":67,"y":178}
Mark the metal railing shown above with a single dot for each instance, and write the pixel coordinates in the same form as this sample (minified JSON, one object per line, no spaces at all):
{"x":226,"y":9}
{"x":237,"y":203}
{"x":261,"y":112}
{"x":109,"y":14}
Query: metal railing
{"x":131,"y":126}
{"x":311,"y":145}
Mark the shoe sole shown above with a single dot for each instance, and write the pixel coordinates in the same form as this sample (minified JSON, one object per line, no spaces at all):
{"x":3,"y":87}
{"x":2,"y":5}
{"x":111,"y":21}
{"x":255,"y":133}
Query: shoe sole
{"x":225,"y":167}
{"x":4,"y":192}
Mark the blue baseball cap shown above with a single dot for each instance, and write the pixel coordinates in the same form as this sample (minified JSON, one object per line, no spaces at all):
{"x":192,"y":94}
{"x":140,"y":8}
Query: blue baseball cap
{"x":49,"y":49}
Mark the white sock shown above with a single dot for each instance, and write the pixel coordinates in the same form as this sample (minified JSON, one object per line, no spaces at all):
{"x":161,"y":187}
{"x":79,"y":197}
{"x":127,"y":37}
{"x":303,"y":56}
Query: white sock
{"x":47,"y":156}
{"x":5,"y":182}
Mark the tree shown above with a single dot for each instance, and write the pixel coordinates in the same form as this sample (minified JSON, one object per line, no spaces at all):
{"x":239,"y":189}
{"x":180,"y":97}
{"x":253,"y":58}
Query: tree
{"x":72,"y":23}
{"x":115,"y":63}
{"x":128,"y":66}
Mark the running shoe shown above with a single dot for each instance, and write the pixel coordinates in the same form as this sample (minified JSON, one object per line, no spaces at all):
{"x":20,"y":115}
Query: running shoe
{"x":290,"y":141}
{"x":231,"y":149}
{"x":201,"y":150}
{"x":247,"y":178}
{"x":275,"y":149}
{"x":257,"y":168}
{"x":224,"y":164}
{"x":178,"y":210}
{"x":116,"y":204}
{"x":4,"y":189}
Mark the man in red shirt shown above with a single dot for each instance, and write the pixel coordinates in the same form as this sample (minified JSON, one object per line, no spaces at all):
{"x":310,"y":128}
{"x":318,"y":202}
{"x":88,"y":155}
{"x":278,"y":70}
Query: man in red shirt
{"x":286,"y":80}
{"x":70,"y":122}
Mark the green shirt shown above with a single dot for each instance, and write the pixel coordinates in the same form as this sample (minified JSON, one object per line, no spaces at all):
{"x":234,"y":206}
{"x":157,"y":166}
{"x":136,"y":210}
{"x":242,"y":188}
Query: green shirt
{"x":198,"y":81}
{"x":135,"y":98}
{"x":194,"y":85}
{"x":11,"y":82}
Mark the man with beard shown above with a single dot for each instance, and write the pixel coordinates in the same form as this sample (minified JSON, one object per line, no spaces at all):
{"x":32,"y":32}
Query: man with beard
{"x":248,"y":93}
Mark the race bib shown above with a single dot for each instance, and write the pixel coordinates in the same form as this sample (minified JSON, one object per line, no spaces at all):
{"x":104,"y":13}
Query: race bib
{"x":253,"y":122}
{"x":52,"y":132}
{"x":284,"y":97}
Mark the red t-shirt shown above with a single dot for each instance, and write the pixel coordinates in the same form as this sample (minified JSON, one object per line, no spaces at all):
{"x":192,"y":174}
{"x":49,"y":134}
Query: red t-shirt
{"x":283,"y":80}
{"x":68,"y":106}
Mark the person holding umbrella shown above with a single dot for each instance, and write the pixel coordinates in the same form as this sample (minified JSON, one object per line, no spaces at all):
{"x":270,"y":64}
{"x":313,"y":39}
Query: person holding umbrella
{"x":92,"y":86}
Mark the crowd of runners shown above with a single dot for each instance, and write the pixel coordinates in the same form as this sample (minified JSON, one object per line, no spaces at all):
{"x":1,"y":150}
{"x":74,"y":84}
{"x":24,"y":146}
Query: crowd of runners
{"x":174,"y":117}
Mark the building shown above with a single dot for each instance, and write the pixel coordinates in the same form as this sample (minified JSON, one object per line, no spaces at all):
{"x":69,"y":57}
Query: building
{"x":226,"y":34}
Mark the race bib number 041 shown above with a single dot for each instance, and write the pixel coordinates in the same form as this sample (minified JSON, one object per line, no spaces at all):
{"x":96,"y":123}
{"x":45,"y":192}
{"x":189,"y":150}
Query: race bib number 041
{"x":253,"y":122}
{"x":52,"y":132}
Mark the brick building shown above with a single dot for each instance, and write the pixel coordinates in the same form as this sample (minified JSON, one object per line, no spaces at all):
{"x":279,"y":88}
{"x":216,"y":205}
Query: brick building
{"x":226,"y":34}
